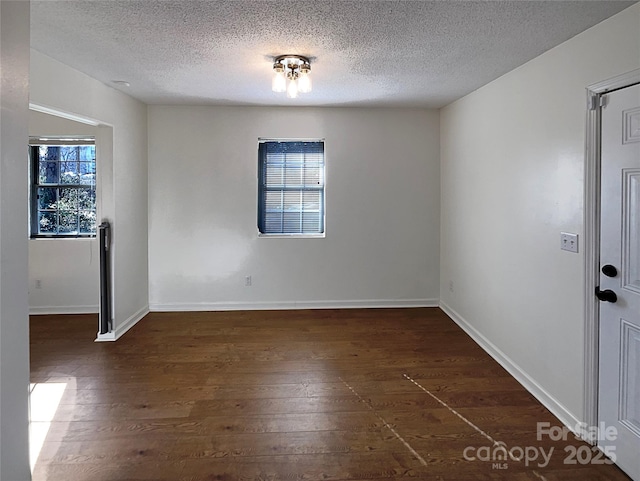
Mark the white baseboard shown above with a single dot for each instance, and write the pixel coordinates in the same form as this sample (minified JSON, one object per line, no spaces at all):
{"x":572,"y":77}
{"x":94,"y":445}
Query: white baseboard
{"x":48,"y":310}
{"x":124,"y":327}
{"x":552,"y":404}
{"x":256,"y":306}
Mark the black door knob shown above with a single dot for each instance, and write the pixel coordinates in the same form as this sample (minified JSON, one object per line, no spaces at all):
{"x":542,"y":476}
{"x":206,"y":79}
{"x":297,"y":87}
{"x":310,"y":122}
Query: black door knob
{"x":607,"y":295}
{"x":609,"y":270}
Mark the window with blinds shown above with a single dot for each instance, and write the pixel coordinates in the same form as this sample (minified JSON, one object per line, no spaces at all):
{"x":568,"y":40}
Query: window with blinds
{"x":291,"y":187}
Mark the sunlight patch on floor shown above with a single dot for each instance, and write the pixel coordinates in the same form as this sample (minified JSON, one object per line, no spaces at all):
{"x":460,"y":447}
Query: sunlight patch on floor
{"x":44,"y":399}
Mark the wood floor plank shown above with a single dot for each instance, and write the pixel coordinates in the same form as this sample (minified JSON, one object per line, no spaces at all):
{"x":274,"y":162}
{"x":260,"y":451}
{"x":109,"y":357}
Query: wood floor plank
{"x":288,"y":443}
{"x":286,"y":395}
{"x":318,"y":466}
{"x":123,"y":411}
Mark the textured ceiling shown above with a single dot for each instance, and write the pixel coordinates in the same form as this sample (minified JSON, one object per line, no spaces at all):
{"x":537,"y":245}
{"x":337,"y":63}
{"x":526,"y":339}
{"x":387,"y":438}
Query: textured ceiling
{"x":364,"y":53}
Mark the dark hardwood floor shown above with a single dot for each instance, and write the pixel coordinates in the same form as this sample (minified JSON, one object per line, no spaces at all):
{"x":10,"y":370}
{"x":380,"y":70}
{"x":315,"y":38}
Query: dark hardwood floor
{"x":289,"y":395}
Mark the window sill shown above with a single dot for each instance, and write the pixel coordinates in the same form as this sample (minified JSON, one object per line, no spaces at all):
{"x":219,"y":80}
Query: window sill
{"x":61,"y":237}
{"x":292,"y":236}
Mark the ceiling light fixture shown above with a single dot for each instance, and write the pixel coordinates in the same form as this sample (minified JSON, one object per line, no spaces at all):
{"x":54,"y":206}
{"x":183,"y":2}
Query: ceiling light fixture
{"x":291,"y":74}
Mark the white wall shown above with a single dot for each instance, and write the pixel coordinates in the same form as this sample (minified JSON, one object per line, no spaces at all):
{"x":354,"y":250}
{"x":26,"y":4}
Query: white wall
{"x":68,"y":269}
{"x":382,"y":210}
{"x":123,"y":172}
{"x":513,"y":158}
{"x":14,"y":322}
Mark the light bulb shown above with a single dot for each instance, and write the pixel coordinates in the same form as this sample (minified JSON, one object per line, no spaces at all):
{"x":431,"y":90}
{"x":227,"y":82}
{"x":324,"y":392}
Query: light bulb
{"x":279,"y":83}
{"x":292,"y":89}
{"x":304,"y":82}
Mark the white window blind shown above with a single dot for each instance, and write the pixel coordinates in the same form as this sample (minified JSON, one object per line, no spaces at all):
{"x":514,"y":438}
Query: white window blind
{"x":291,"y":187}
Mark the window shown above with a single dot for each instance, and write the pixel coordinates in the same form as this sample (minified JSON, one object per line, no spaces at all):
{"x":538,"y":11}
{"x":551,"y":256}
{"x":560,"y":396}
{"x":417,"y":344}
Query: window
{"x":291,"y":187}
{"x":63,"y":188}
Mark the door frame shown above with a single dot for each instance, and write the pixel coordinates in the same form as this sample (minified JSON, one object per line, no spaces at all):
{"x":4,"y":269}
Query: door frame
{"x":592,"y":237}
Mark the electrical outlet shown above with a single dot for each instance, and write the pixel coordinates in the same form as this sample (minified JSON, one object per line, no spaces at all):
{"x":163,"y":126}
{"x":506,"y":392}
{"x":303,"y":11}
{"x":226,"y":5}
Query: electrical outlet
{"x":569,"y":242}
{"x":38,"y":284}
{"x":247,"y":281}
{"x":450,"y":286}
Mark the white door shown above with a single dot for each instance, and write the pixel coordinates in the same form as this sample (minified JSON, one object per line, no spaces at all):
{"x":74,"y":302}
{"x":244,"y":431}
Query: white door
{"x":619,"y":370}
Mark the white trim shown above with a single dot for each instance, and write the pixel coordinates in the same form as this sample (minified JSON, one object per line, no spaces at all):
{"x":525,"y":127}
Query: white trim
{"x":107,"y":337}
{"x":617,"y":82}
{"x":65,"y":115}
{"x":563,"y":414}
{"x":124,"y":327}
{"x":49,"y":310}
{"x":62,"y":140}
{"x":262,"y":140}
{"x":291,"y":236}
{"x":271,"y":305}
{"x":591,"y":249}
{"x":592,"y":238}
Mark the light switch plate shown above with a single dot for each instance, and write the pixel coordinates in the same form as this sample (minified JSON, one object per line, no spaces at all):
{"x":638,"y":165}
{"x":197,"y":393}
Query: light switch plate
{"x":569,"y":242}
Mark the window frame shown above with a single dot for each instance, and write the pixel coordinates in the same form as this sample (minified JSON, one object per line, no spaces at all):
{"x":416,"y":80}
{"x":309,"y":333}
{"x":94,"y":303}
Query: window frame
{"x":34,"y":184}
{"x":261,"y":209}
